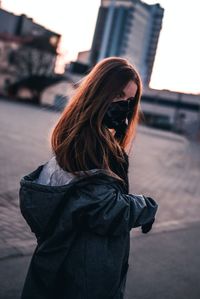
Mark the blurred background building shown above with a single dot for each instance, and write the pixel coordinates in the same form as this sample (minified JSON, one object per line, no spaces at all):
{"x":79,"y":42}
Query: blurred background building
{"x":27,"y":50}
{"x":130,"y":29}
{"x":125,"y":28}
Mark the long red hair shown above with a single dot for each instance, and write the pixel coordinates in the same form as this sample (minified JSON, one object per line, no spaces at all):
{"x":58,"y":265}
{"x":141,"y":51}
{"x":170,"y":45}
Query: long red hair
{"x":80,"y":140}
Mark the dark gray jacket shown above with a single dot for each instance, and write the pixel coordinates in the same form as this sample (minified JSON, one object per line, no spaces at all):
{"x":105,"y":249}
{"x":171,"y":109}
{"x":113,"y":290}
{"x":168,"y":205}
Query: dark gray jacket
{"x":82,"y":225}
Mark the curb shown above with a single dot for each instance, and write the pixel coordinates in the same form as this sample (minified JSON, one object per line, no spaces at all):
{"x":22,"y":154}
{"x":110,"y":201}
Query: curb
{"x":12,"y":251}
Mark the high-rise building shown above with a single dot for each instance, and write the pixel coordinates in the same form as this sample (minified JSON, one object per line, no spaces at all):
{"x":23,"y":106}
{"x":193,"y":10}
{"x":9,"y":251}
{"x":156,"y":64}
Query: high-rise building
{"x":130,"y":29}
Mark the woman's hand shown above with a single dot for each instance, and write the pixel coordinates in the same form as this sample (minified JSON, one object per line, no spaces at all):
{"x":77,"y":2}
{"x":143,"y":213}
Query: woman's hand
{"x":148,"y":226}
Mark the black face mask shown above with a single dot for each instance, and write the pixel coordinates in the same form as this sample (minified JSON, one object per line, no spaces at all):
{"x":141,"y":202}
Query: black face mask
{"x":118,"y":114}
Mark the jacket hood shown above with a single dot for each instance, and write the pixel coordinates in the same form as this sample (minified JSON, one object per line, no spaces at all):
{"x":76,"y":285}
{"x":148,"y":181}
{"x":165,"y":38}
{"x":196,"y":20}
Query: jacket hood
{"x":42,"y":190}
{"x":53,"y":175}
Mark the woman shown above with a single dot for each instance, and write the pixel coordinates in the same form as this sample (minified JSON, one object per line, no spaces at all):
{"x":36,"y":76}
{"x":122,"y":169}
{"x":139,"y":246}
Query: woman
{"x":78,"y":203}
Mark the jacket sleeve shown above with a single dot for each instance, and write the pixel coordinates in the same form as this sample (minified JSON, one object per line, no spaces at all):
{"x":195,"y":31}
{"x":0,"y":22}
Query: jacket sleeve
{"x":108,"y":211}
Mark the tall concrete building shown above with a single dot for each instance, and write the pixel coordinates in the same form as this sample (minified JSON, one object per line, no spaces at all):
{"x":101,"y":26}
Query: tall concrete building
{"x":130,"y":29}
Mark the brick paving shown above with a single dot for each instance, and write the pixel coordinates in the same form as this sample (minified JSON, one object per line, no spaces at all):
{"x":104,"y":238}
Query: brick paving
{"x":163,"y":165}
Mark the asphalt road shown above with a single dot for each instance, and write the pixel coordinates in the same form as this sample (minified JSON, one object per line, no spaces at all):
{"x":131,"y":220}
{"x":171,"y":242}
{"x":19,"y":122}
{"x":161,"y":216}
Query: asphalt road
{"x":161,"y":266}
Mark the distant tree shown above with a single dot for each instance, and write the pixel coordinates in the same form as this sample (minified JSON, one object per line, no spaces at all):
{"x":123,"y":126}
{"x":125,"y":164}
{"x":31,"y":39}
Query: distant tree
{"x":33,"y":64}
{"x":28,"y":62}
{"x":35,"y":57}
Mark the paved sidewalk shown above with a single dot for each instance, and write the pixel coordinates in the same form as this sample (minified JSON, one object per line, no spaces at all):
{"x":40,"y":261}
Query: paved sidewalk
{"x":16,"y":238}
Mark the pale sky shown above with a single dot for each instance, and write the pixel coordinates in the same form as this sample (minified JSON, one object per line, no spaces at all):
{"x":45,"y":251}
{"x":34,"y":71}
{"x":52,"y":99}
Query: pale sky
{"x":177,"y":62}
